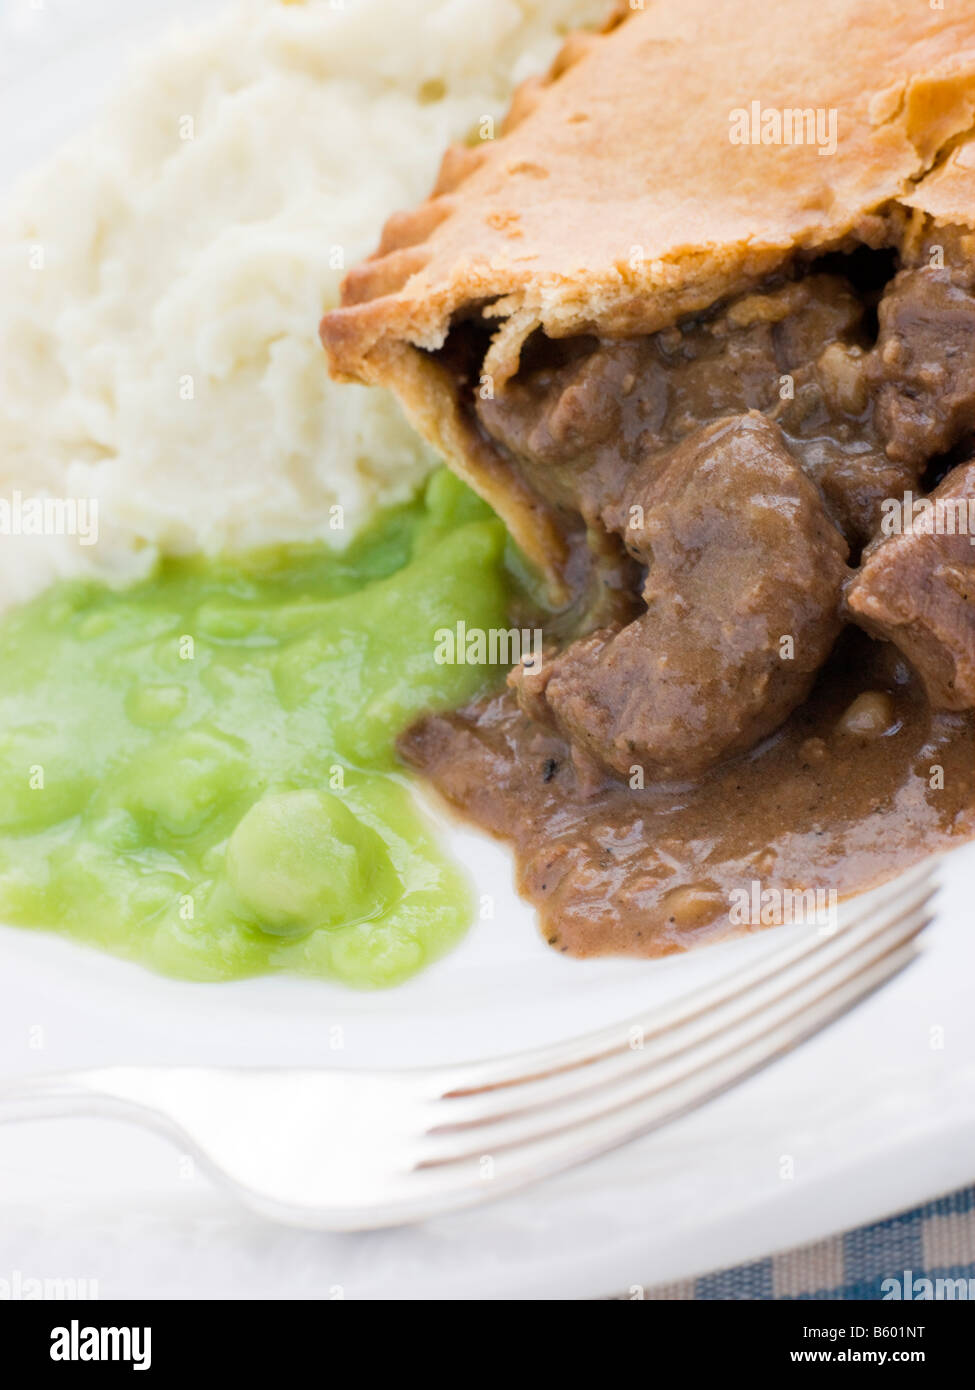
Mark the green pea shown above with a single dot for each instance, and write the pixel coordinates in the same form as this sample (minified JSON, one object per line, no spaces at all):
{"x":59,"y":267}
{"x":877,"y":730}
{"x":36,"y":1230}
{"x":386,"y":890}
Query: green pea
{"x":301,"y":860}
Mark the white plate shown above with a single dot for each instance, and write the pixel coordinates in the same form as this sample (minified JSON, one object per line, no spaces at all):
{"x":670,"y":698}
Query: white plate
{"x":874,"y":1115}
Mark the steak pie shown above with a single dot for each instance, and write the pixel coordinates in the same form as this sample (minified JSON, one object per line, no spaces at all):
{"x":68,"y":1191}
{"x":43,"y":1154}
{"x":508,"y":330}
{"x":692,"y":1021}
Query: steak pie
{"x":700,"y":325}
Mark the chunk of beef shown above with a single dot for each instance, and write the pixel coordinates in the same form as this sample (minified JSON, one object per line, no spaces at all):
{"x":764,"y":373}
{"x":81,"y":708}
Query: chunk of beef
{"x":744,"y":578}
{"x":917,"y":589}
{"x":923,"y":366}
{"x":829,"y":427}
{"x":572,"y":423}
{"x":855,"y":479}
{"x":583,"y":413}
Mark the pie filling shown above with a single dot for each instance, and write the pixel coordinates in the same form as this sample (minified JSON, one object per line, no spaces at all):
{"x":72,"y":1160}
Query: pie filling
{"x":767,"y":682}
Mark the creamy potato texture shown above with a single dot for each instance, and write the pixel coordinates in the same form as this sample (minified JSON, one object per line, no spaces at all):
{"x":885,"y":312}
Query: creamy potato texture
{"x":162,"y":277}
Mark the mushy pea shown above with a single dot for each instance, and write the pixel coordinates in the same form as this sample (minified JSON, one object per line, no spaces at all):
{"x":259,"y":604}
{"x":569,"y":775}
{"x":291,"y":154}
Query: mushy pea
{"x":198,"y":772}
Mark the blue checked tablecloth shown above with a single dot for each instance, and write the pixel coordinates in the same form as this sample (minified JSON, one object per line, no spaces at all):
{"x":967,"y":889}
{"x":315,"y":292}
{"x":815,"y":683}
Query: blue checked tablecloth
{"x":936,"y":1241}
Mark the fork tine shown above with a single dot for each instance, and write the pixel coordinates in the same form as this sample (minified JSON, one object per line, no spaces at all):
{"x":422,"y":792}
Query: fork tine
{"x":521,"y":1068}
{"x":474,"y":1111}
{"x":593,"y":1063}
{"x":655,"y":1076}
{"x":566,"y":1149}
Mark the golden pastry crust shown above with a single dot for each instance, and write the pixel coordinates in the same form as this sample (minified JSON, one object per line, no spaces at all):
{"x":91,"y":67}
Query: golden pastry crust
{"x":615,"y":201}
{"x":947,"y":194}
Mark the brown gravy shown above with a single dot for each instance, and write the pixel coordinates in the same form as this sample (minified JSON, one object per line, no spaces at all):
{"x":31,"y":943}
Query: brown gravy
{"x":842,"y":797}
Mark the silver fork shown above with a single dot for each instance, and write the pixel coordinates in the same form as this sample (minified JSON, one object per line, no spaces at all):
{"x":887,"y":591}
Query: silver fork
{"x":350,"y":1150}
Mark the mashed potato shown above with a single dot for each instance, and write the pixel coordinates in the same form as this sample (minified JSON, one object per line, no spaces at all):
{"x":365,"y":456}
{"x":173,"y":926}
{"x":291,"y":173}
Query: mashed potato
{"x":162,"y":278}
